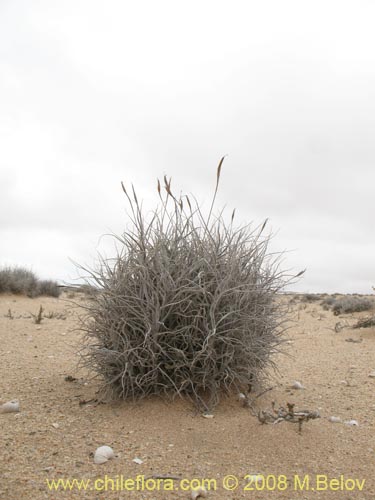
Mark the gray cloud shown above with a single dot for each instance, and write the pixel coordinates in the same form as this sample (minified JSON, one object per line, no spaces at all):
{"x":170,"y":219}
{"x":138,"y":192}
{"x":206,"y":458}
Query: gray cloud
{"x":93,"y":94}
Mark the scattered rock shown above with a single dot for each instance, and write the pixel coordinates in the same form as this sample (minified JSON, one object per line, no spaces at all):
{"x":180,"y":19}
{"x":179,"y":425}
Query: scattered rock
{"x":372,"y":374}
{"x":55,"y":425}
{"x":351,"y":422}
{"x":338,"y":327}
{"x":335,"y":420}
{"x":207,"y":415}
{"x":10,"y":407}
{"x":297,"y":385}
{"x":198,"y":493}
{"x":103,"y":454}
{"x":138,"y":461}
{"x":241,"y":396}
{"x":243,"y":399}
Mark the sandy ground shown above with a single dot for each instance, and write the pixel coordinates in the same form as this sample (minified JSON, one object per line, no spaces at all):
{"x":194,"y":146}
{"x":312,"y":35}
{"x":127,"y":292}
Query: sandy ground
{"x":53,"y":436}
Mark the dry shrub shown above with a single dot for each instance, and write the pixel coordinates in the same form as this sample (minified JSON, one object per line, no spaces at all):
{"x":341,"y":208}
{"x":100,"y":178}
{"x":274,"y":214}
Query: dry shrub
{"x":311,"y":297}
{"x":187,"y":307}
{"x":21,"y":281}
{"x":365,"y":323}
{"x":351,"y":304}
{"x":328,"y":302}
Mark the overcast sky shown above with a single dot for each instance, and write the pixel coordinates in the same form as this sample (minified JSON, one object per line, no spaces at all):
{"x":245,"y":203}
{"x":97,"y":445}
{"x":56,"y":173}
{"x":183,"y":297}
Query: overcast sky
{"x":92,"y":93}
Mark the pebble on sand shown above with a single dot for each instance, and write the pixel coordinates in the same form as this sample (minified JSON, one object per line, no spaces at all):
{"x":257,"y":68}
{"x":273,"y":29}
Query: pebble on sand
{"x":297,"y":385}
{"x":103,"y":454}
{"x":351,"y":422}
{"x":335,"y":420}
{"x":10,"y":407}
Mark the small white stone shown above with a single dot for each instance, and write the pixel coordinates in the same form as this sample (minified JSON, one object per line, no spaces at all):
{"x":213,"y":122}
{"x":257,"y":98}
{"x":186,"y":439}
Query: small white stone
{"x":351,"y":422}
{"x":198,"y":492}
{"x":55,"y":425}
{"x":103,"y":454}
{"x":335,"y":420}
{"x":297,"y":385}
{"x":372,"y":374}
{"x":48,"y":469}
{"x":138,"y":461}
{"x":10,"y":407}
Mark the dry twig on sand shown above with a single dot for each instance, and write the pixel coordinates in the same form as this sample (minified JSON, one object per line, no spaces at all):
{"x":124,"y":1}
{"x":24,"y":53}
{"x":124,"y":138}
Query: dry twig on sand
{"x":365,"y":322}
{"x":287,"y":415}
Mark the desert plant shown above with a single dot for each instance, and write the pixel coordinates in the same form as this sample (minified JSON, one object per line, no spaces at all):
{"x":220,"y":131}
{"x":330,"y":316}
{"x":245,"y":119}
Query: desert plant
{"x":19,"y":280}
{"x":187,"y":307}
{"x":352,"y":304}
{"x":311,"y":297}
{"x":9,"y":314}
{"x":327,"y":303}
{"x":38,"y":318}
{"x":48,"y":288}
{"x":365,"y":322}
{"x":55,"y":315}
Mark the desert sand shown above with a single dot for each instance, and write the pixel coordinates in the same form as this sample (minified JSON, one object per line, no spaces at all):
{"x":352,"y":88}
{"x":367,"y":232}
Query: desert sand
{"x":54,"y":436}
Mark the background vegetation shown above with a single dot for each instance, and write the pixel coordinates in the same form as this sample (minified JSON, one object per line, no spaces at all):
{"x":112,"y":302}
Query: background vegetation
{"x":19,"y":280}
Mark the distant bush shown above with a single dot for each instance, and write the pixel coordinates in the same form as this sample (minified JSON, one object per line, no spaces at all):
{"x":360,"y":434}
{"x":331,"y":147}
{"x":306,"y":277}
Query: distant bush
{"x":352,"y":304}
{"x":311,"y":297}
{"x":49,"y":288}
{"x":188,"y":307}
{"x":328,"y":302}
{"x":87,"y":289}
{"x":21,"y":281}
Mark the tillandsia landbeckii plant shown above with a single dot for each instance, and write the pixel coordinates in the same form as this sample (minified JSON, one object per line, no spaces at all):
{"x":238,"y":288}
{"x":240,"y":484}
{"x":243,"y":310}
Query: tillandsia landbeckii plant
{"x":187,"y":307}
